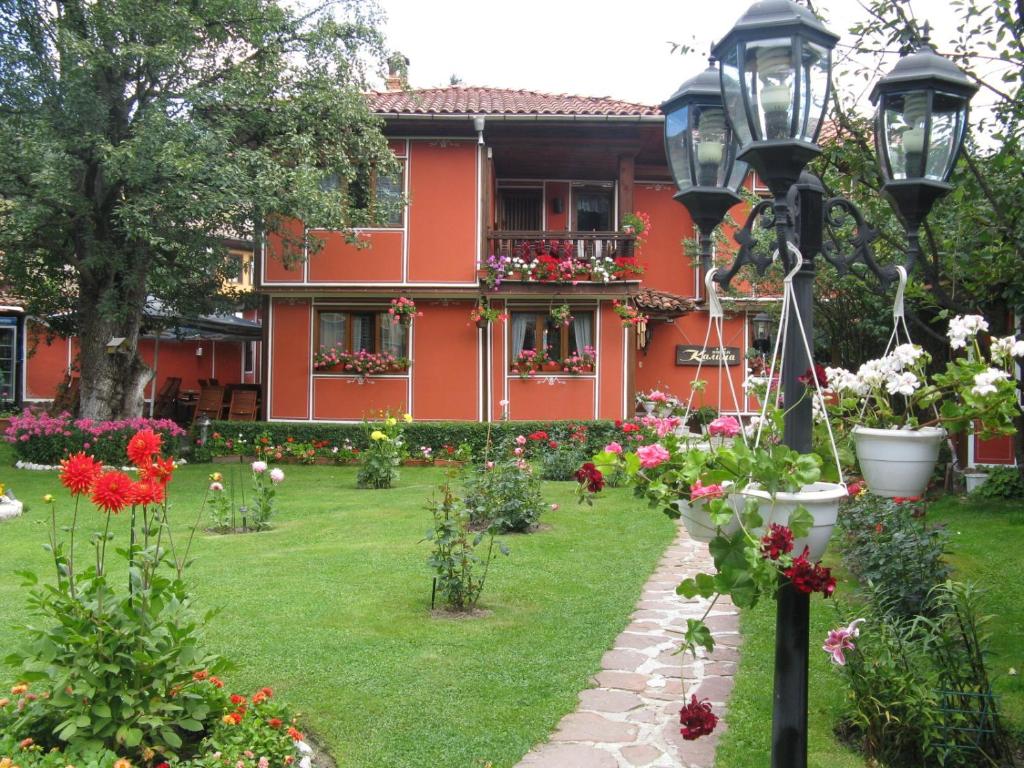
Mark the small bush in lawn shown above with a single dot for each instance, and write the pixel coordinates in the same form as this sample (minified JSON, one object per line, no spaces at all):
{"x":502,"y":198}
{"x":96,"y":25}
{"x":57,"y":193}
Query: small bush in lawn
{"x":1001,"y":483}
{"x":561,"y":462}
{"x":228,"y":517}
{"x":504,"y":492}
{"x":919,"y":690}
{"x":378,"y":464}
{"x":459,"y":572}
{"x":886,"y":543}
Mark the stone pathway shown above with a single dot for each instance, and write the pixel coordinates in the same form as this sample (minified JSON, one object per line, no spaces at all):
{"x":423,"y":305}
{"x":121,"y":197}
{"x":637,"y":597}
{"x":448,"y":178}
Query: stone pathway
{"x":631,"y":718}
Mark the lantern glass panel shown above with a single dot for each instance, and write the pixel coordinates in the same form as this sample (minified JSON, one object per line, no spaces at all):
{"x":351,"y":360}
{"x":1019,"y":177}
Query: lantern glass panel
{"x":815,"y":64}
{"x":949,"y":120}
{"x":677,"y":126}
{"x":711,"y":140}
{"x":768,"y":78}
{"x":903,"y":126}
{"x":733,"y":96}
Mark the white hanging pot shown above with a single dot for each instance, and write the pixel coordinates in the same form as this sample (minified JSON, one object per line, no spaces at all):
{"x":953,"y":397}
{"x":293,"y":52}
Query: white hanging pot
{"x":698,"y":523}
{"x":820,"y":499}
{"x":898,"y":462}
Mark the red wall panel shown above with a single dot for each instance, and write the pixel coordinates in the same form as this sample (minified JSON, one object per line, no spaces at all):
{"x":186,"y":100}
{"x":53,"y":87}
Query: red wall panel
{"x":445,"y":363}
{"x":611,"y":363}
{"x":343,"y":398}
{"x":568,"y":397}
{"x":291,"y":358}
{"x":339,"y":262}
{"x":45,"y":364}
{"x":274,"y":269}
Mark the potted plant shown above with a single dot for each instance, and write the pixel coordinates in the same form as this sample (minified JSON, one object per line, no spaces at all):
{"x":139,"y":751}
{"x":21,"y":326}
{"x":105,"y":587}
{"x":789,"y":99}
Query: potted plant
{"x":637,"y":223}
{"x":561,"y":315}
{"x":483,"y":315}
{"x":527,"y":363}
{"x":580,"y":362}
{"x":900,"y":412}
{"x":328,"y":359}
{"x":403,"y":310}
{"x":629,"y":315}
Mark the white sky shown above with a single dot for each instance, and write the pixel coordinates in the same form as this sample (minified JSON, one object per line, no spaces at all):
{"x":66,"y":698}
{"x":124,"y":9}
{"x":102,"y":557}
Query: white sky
{"x":594,"y":48}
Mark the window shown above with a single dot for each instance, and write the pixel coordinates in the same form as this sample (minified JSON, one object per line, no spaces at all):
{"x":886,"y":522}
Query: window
{"x":592,"y":209}
{"x":352,"y":331}
{"x":519,"y":210}
{"x":373,"y":195}
{"x":249,"y":357}
{"x":537,"y":331}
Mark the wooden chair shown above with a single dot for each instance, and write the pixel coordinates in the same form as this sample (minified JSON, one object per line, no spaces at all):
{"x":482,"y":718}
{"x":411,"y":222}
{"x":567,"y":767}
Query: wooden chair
{"x":210,"y":403}
{"x":164,"y":406}
{"x":243,"y":405}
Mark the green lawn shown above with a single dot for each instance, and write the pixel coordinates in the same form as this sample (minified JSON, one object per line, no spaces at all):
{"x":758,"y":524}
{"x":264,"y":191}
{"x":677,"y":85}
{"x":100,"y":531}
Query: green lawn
{"x":330,"y":608}
{"x":986,"y":543}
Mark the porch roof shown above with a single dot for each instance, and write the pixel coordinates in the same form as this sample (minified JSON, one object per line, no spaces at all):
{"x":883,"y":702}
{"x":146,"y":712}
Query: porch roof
{"x":473,"y":100}
{"x":663,"y":304}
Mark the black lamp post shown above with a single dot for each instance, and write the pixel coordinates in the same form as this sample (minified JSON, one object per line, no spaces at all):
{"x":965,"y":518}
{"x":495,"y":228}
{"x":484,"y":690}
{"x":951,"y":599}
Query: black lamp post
{"x":775,"y":67}
{"x":762,"y":323}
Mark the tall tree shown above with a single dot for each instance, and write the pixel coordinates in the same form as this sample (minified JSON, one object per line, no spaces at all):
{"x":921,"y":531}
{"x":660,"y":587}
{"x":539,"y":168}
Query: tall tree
{"x":135,"y":134}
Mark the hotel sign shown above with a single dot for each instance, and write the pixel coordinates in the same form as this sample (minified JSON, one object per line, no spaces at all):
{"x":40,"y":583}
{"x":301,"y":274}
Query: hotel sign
{"x":687,"y":354}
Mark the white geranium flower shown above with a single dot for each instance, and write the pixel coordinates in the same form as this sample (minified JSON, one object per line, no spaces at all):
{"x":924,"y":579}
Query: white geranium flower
{"x":907,"y":354}
{"x":902,"y":384}
{"x":1007,"y":347}
{"x":985,"y":382}
{"x":872,"y":373}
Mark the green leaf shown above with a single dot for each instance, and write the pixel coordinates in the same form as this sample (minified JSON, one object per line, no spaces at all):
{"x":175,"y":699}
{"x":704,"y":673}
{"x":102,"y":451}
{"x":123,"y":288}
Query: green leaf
{"x":800,"y":522}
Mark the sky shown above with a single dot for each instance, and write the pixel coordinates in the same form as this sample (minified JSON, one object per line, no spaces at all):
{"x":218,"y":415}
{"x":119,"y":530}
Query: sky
{"x":596,"y":48}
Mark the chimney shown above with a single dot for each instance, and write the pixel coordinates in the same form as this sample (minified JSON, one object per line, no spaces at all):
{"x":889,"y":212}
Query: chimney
{"x":398,"y":71}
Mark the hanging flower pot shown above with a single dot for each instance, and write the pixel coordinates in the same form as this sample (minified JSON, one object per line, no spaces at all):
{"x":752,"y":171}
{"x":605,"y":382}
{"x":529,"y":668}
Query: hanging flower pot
{"x":898,"y":462}
{"x":697,"y":521}
{"x":820,"y":499}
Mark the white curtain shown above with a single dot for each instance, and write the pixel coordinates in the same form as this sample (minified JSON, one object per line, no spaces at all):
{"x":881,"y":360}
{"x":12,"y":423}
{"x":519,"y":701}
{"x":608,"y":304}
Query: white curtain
{"x":332,"y":330}
{"x":583,"y":328}
{"x":521,"y":321}
{"x":362,"y":333}
{"x":394,"y":337}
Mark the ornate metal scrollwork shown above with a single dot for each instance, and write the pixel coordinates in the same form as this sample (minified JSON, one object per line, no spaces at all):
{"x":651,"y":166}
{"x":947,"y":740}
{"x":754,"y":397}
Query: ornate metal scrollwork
{"x":836,"y":210}
{"x":745,"y":238}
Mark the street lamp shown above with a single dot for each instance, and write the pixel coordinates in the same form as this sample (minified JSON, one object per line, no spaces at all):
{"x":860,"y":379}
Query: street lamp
{"x":774,"y":77}
{"x":762,"y":326}
{"x":701,"y":149}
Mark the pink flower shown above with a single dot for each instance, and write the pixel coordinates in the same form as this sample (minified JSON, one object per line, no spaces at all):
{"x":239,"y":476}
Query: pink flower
{"x":520,"y":440}
{"x":699,"y":490}
{"x":838,"y":641}
{"x":554,"y":507}
{"x":724,"y":426}
{"x":490,"y":465}
{"x":652,"y":455}
{"x":276,"y":475}
{"x":613,"y":447}
{"x":657,"y":397}
{"x":518,"y":451}
{"x":259,"y":467}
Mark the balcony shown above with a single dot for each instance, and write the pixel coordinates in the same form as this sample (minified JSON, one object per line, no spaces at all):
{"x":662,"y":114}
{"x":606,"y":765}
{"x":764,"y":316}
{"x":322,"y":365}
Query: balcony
{"x":559,"y":258}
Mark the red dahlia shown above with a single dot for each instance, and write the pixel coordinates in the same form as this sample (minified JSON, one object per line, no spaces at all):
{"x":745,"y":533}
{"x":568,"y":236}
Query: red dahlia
{"x":159,"y":471}
{"x":112,"y":491}
{"x":143,"y":446}
{"x":79,"y":472}
{"x":145,"y":493}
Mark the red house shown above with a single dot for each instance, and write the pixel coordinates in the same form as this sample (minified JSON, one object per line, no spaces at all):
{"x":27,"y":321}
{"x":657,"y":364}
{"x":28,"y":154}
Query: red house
{"x":516,"y":200}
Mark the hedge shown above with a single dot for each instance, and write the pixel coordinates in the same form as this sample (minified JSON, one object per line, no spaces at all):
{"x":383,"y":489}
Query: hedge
{"x":433,"y":434}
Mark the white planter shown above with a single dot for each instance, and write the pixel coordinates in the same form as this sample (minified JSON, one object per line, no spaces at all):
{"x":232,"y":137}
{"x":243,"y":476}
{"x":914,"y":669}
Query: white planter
{"x":974,"y":479}
{"x":820,"y":499}
{"x":698,"y":523}
{"x":898,"y":462}
{"x":9,"y":508}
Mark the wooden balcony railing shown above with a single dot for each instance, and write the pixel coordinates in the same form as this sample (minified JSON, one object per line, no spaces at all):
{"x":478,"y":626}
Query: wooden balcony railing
{"x":585,"y":246}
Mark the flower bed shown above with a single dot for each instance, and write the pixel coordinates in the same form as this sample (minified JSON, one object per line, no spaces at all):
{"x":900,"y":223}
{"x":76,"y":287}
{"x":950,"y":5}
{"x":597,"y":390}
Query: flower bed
{"x":39,"y":438}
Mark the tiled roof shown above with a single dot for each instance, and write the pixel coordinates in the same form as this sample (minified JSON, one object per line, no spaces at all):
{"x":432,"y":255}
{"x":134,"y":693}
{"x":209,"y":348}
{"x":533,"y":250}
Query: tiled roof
{"x":469,"y":100}
{"x":651,"y":300}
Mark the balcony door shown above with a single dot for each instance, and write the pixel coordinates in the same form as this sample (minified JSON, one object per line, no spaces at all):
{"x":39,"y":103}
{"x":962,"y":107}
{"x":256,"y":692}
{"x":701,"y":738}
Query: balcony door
{"x":592,"y":209}
{"x":519,"y":210}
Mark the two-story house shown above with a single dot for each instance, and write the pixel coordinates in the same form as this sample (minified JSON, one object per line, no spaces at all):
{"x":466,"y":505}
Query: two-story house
{"x":516,"y":200}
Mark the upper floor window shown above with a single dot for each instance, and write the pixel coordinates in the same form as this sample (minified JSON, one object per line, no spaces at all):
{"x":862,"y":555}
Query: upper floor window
{"x":537,"y":331}
{"x":376,"y":197}
{"x":592,"y":208}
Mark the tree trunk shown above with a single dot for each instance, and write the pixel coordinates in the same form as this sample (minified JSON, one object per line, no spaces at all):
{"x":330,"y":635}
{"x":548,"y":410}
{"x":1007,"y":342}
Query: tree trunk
{"x":113,"y":382}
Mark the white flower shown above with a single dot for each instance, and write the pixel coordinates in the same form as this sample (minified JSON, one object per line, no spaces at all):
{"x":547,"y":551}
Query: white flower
{"x":276,"y":475}
{"x":216,"y":487}
{"x":903,"y":384}
{"x":872,"y":373}
{"x":753,"y":383}
{"x":1007,"y":347}
{"x":306,"y":762}
{"x":985,"y":382}
{"x":907,"y":354}
{"x":303,"y":747}
{"x":259,"y":467}
{"x":963,"y":328}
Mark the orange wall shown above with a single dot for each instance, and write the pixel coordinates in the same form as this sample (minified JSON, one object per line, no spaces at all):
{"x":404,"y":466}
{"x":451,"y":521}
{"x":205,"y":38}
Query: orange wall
{"x":656,"y":369}
{"x":610,"y":363}
{"x":998,"y":450}
{"x":291,"y":358}
{"x":445,"y":362}
{"x":338,"y":262}
{"x":273,"y":267}
{"x":556,"y":222}
{"x":343,"y":398}
{"x":45,"y":363}
{"x":665,"y":266}
{"x":442,"y":211}
{"x":221,"y":360}
{"x":571,"y":398}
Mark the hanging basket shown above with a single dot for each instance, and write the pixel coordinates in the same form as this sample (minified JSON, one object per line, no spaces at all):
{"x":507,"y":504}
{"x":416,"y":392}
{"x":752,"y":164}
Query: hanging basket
{"x":898,"y":462}
{"x":820,"y":499}
{"x":698,"y":523}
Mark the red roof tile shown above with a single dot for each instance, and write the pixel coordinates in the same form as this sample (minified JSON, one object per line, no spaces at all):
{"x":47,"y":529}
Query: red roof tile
{"x":651,"y":300}
{"x":468,"y":100}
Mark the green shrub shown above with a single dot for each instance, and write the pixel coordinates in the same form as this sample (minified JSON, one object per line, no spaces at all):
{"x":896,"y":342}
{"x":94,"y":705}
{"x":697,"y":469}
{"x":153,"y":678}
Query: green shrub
{"x":1001,"y":483}
{"x":562,"y":462}
{"x":504,"y":493}
{"x":888,"y":545}
{"x":379,"y":461}
{"x":459,"y":572}
{"x":432,"y":434}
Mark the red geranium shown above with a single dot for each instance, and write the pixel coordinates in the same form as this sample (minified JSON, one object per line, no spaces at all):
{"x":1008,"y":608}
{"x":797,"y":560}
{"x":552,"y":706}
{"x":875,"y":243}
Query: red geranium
{"x":274,"y":722}
{"x":817,"y":372}
{"x":143,"y":446}
{"x":810,"y":577}
{"x":237,"y":699}
{"x":590,"y":476}
{"x":697,"y":719}
{"x":778,"y":541}
{"x":112,"y":491}
{"x":296,"y":735}
{"x":79,"y":472}
{"x":538,"y":435}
